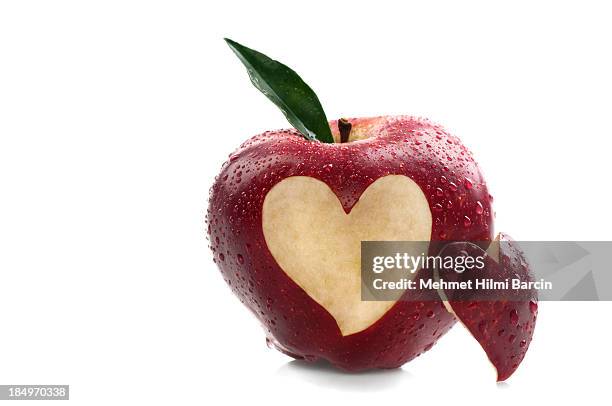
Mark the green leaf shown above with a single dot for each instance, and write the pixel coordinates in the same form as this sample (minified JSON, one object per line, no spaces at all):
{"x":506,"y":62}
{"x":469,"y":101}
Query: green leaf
{"x":287,"y":90}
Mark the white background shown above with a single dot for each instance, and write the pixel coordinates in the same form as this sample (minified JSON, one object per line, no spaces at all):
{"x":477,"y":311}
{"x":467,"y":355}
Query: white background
{"x":116,"y":115}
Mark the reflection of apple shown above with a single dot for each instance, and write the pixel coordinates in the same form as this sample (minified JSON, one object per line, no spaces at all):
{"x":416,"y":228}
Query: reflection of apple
{"x":287,"y":215}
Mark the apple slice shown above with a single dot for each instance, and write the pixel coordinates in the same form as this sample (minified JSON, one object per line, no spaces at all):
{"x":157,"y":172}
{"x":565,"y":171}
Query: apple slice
{"x":502,"y":322}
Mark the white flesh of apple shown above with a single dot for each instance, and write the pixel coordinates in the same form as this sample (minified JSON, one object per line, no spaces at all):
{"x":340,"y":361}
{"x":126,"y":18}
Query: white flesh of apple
{"x":318,"y":245}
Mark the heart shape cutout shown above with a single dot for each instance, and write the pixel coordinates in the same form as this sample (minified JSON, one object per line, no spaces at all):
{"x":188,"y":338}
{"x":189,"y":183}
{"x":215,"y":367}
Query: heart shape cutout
{"x":318,"y":245}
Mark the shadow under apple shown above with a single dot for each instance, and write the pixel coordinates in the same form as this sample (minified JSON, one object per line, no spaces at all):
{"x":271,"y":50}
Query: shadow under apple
{"x":322,"y":373}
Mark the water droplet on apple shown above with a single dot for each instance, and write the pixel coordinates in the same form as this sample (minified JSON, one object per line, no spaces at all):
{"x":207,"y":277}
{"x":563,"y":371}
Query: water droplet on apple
{"x":514,"y":318}
{"x":512,"y":338}
{"x":240,"y":259}
{"x":533,"y":307}
{"x":452,"y":186}
{"x":468,"y":183}
{"x":523,"y":343}
{"x":479,"y":207}
{"x":467,"y":222}
{"x":221,"y":257}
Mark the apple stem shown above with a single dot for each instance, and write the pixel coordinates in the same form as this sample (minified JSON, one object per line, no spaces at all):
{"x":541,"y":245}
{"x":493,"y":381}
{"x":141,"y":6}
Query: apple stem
{"x":345,"y":129}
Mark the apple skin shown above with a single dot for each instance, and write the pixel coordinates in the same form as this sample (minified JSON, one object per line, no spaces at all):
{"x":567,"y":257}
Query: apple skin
{"x":503,"y":325}
{"x":294,"y":323}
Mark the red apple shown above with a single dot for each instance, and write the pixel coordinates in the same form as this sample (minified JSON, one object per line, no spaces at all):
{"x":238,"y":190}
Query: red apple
{"x":286,"y":216}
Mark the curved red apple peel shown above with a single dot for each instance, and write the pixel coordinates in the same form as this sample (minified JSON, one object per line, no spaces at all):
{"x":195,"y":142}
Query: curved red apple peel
{"x":502,"y":323}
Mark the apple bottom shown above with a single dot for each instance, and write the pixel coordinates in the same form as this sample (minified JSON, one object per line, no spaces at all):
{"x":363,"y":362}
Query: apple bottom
{"x":406,"y":331}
